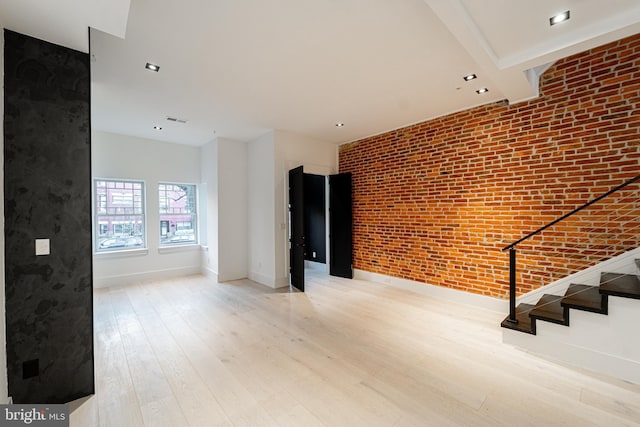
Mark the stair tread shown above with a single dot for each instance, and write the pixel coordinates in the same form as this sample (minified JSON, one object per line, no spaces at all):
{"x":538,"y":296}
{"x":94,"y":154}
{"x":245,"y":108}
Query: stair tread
{"x":621,"y":285}
{"x":550,"y":309}
{"x":525,"y":323}
{"x":586,"y":298}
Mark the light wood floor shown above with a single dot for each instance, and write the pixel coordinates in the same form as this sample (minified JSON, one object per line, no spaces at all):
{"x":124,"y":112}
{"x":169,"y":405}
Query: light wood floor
{"x":192,"y":352}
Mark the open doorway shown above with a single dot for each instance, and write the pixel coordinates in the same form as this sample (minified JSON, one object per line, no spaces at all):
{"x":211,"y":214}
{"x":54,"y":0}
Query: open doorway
{"x":315,"y":223}
{"x":320,"y":225}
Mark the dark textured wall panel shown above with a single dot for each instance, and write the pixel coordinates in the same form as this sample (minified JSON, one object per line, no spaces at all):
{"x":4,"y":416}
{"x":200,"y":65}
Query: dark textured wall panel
{"x":47,"y":195}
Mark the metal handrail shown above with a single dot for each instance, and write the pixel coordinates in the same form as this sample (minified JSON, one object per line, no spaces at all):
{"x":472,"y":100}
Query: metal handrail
{"x":512,"y":247}
{"x":565,"y":216}
{"x":593,"y":253}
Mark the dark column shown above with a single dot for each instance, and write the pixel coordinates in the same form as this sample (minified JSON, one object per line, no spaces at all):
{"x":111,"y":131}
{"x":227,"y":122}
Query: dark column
{"x":47,"y":190}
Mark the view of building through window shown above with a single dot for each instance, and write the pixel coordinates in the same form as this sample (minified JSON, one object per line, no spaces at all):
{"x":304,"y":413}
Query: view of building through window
{"x":177,"y":213}
{"x":119,"y":215}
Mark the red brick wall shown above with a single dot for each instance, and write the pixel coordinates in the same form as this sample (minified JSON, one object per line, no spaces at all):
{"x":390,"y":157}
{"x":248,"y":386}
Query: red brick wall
{"x":435,"y":202}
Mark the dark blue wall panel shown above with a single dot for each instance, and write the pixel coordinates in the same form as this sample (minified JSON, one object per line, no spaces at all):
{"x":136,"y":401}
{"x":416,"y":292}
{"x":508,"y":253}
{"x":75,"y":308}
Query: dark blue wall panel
{"x":315,"y":218}
{"x":49,"y":309}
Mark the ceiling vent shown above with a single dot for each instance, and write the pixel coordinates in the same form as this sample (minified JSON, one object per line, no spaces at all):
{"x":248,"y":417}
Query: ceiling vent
{"x":174,"y":119}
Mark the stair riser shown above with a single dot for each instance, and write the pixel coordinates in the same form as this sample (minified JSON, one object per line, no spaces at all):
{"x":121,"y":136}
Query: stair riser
{"x":557,"y":322}
{"x":622,"y":295}
{"x":603,"y":311}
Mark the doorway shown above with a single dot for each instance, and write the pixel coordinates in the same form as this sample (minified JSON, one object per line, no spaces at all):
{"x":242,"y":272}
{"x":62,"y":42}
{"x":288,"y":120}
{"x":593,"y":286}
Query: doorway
{"x":320,"y":218}
{"x":315,"y":222}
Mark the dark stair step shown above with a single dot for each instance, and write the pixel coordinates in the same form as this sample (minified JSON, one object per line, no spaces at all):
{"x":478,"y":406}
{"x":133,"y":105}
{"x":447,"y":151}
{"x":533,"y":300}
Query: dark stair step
{"x":586,"y":298}
{"x":525,"y":323}
{"x":550,"y":309}
{"x":620,"y":285}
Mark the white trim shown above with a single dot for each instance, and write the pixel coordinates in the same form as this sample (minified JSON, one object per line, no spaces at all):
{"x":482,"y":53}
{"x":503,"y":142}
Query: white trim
{"x":178,"y":248}
{"x":452,"y":295}
{"x":269,"y":281}
{"x":263,"y":279}
{"x":124,"y":253}
{"x":209,"y":273}
{"x":234,"y":275}
{"x":124,"y":279}
{"x":282,"y":282}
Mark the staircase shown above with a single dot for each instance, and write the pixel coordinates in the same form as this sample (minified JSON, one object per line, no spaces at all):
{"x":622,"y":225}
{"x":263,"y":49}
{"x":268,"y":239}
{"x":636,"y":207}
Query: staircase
{"x":556,"y":308}
{"x":582,"y":268}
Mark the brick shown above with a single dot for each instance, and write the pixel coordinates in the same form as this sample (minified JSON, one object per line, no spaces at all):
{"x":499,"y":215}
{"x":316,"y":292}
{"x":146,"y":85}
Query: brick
{"x":435,"y":202}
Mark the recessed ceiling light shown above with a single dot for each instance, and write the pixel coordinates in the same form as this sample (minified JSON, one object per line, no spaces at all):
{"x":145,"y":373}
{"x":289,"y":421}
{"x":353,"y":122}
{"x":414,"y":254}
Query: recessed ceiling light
{"x":469,"y":77}
{"x":339,"y":125}
{"x":561,"y":17}
{"x":157,"y":128}
{"x":482,"y":90}
{"x":152,"y":67}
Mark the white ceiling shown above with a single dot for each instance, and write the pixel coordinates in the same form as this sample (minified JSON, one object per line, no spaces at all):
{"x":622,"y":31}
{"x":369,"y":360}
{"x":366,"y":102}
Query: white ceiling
{"x":238,"y":68}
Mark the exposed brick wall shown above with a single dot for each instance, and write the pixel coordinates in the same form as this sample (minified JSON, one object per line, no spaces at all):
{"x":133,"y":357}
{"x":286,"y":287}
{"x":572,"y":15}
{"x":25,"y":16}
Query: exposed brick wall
{"x":435,"y":202}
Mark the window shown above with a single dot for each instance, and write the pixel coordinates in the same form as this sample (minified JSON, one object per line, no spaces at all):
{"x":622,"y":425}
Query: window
{"x":119,"y":215}
{"x":177,"y":213}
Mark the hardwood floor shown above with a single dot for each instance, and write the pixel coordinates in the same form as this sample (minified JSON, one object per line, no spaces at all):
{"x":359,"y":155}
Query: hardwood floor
{"x":192,"y":352}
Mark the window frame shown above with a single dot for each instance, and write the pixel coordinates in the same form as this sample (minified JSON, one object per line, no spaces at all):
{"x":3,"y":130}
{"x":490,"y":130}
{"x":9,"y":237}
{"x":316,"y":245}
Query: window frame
{"x":163,"y":241}
{"x":101,"y":201}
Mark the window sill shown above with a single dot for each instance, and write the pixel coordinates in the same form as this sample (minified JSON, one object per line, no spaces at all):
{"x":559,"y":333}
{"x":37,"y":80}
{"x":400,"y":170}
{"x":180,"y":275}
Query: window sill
{"x":122,"y":254}
{"x":178,"y":248}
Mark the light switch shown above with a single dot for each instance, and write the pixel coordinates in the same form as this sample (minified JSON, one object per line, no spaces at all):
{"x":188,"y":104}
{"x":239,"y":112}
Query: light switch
{"x":42,"y":247}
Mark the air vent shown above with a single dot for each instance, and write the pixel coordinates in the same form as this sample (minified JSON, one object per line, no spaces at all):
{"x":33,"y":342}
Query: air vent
{"x":174,"y":119}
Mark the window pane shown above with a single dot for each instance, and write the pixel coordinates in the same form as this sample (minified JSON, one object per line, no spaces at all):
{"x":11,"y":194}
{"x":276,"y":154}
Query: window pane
{"x":177,"y":207}
{"x":119,"y":215}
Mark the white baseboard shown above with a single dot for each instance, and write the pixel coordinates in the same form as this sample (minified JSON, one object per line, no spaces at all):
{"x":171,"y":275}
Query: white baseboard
{"x":282,"y":282}
{"x":263,"y":279}
{"x":453,"y":295}
{"x":269,"y":281}
{"x":209,"y":273}
{"x":233,"y":275}
{"x":125,"y":279}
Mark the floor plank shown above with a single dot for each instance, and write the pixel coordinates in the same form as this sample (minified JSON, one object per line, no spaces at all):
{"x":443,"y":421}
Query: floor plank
{"x":193,"y":352}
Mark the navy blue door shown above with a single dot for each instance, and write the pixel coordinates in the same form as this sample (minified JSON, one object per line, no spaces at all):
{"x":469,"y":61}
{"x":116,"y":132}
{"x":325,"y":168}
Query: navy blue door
{"x":340,"y":226}
{"x":296,"y":224}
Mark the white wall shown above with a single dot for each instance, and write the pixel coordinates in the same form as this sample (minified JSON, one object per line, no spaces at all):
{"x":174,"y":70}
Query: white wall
{"x":261,"y":210}
{"x":292,"y":150}
{"x":126,"y":157}
{"x":3,"y":342}
{"x":232,"y":210}
{"x":209,"y":179}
